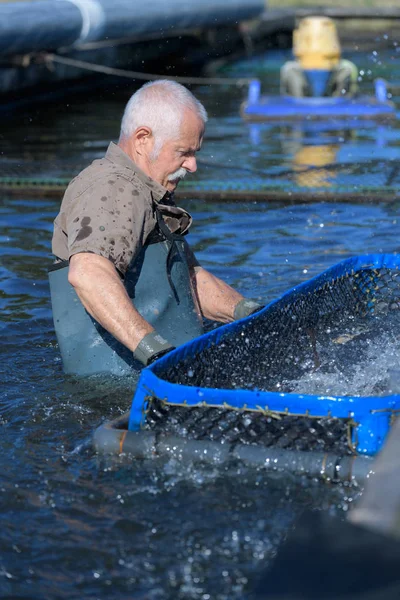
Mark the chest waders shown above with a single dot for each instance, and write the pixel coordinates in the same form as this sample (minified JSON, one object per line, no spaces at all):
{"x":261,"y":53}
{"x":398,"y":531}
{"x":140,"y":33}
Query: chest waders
{"x":159,"y":285}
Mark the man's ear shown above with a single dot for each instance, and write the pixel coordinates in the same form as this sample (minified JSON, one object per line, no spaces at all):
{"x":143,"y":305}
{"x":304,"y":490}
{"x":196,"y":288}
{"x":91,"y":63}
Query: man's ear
{"x":143,"y":139}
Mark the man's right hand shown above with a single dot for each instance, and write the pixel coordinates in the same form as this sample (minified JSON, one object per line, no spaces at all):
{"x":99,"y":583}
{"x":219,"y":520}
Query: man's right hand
{"x":152,"y":347}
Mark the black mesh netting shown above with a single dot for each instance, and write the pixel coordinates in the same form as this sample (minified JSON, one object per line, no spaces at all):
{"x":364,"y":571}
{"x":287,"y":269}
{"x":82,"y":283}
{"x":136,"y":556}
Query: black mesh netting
{"x":293,"y":337}
{"x":331,"y":328}
{"x":356,"y":182}
{"x":247,"y":427}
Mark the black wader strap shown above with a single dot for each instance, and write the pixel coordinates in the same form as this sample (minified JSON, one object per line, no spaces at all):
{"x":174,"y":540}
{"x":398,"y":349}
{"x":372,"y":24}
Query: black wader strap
{"x":172,"y":238}
{"x":59,"y":264}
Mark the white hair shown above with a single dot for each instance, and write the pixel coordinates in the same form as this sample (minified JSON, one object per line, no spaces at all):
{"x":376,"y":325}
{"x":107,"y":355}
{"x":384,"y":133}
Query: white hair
{"x":160,"y":105}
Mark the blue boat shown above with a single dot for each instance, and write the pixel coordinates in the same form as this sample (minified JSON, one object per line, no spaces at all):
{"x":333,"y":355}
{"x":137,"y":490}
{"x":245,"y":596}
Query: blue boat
{"x":268,"y":108}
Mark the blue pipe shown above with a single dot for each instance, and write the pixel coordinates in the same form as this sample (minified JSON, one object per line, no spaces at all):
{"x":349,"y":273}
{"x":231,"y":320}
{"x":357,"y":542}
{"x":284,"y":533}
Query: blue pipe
{"x":34,"y":26}
{"x":51,"y":24}
{"x":318,"y":79}
{"x":380,"y":90}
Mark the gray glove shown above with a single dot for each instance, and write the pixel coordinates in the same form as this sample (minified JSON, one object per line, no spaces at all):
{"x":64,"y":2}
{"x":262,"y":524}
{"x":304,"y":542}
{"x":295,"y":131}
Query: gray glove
{"x":245,"y":308}
{"x":151,"y":347}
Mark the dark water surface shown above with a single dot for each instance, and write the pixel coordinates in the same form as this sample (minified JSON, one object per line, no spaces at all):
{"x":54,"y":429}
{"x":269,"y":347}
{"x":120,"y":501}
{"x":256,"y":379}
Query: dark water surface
{"x":74,"y":525}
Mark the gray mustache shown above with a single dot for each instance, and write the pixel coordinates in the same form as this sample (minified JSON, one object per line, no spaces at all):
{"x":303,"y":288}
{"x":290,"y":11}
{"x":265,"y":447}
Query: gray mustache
{"x":179,"y":174}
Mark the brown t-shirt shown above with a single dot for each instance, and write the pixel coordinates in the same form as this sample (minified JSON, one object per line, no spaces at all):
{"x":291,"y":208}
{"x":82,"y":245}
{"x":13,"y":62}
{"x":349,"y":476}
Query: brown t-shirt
{"x":109,"y":209}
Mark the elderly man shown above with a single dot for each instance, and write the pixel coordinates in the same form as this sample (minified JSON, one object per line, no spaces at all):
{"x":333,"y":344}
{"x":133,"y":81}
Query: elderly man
{"x":125,"y":286}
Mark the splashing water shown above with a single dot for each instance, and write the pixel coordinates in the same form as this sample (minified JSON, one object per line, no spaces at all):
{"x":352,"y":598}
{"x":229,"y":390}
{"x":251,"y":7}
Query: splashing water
{"x":360,"y":358}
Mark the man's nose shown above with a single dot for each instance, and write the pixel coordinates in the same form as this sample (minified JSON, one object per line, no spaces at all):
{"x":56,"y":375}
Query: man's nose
{"x":190,"y":164}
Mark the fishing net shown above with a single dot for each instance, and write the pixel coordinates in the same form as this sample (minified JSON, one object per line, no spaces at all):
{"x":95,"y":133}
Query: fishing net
{"x":246,"y":382}
{"x":230,"y":426}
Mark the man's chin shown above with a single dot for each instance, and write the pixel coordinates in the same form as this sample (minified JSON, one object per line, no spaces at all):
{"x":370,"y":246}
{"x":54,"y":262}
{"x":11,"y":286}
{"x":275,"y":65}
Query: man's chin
{"x":172,"y":185}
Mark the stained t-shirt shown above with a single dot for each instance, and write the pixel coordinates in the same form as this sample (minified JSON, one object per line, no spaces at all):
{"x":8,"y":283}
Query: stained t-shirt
{"x":109,"y":210}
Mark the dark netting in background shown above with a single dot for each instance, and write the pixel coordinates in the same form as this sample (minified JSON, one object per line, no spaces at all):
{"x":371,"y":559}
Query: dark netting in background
{"x":273,"y":350}
{"x":355,"y":181}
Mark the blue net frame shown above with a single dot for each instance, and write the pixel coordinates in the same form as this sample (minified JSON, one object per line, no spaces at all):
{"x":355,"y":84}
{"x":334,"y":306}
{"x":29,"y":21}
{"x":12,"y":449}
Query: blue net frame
{"x":369,"y":417}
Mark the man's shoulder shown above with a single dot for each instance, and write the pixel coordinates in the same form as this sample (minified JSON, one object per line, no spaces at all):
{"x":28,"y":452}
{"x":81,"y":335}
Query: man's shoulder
{"x":103,"y":173}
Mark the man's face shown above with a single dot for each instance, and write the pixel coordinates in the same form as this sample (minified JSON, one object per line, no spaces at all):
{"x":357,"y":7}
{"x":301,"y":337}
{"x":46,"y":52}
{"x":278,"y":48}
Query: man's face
{"x":178,"y":156}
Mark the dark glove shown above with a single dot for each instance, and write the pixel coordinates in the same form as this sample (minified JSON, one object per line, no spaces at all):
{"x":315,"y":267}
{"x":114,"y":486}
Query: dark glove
{"x":152,"y":347}
{"x":245,"y":308}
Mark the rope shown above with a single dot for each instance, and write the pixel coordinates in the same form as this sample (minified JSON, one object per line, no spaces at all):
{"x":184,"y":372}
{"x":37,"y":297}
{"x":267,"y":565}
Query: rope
{"x":340,"y":12}
{"x":81,"y":64}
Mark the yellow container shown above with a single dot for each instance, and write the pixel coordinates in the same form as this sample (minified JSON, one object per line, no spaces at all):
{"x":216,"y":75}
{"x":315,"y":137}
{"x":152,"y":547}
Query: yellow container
{"x":316,"y":43}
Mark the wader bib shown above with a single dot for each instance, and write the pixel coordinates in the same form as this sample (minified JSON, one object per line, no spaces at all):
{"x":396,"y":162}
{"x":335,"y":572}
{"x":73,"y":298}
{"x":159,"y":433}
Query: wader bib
{"x":159,"y":285}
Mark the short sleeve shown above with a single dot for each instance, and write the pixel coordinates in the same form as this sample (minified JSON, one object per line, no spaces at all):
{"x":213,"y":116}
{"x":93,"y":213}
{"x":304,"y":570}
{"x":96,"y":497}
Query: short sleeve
{"x":108,"y":219}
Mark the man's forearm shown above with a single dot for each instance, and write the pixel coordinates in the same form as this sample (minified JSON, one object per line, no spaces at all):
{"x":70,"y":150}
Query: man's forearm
{"x":103,"y":295}
{"x":217,"y":299}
